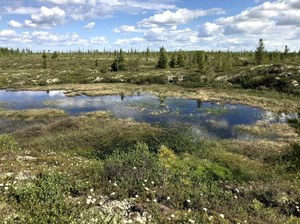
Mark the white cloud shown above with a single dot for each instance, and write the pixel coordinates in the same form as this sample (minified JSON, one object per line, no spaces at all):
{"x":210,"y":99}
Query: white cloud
{"x":277,"y":22}
{"x":209,"y":29}
{"x":181,"y":16}
{"x":20,"y":10}
{"x":127,"y":42}
{"x":52,"y":16}
{"x":87,"y":9}
{"x":171,"y":37}
{"x":253,"y":27}
{"x":127,"y":29}
{"x":98,"y":40}
{"x":14,"y":24}
{"x":47,"y":39}
{"x":262,"y":18}
{"x":8,"y":33}
{"x":44,"y":18}
{"x":65,"y":2}
{"x":89,"y":26}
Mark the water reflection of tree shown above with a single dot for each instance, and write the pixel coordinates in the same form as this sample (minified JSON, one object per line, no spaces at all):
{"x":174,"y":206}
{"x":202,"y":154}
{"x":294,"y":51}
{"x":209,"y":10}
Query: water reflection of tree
{"x":199,"y":104}
{"x":122,"y":96}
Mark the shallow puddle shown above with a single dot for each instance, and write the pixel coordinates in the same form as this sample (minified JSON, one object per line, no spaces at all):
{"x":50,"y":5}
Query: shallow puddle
{"x":207,"y":118}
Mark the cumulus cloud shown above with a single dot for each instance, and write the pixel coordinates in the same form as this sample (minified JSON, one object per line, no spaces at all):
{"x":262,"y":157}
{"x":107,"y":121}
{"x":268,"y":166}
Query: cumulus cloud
{"x":127,"y":42}
{"x":127,"y":29}
{"x":14,"y":24}
{"x":261,"y":18}
{"x":209,"y":29}
{"x":44,"y":18}
{"x":8,"y":33}
{"x":46,"y":39}
{"x":49,"y":16}
{"x":277,"y":22}
{"x":89,"y":26}
{"x":171,"y":37}
{"x":87,"y":9}
{"x":180,"y":16}
{"x":98,"y":40}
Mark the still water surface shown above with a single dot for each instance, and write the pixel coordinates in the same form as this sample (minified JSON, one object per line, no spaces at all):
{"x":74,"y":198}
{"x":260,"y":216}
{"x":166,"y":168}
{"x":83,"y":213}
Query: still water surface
{"x":208,"y":118}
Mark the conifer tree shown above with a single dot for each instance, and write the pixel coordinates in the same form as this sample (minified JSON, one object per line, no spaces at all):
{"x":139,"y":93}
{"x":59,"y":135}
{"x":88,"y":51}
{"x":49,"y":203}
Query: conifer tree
{"x":180,"y":59}
{"x":44,"y":56}
{"x":147,"y":54}
{"x":260,"y":52}
{"x":119,"y":63}
{"x":172,"y":62}
{"x":163,"y":59}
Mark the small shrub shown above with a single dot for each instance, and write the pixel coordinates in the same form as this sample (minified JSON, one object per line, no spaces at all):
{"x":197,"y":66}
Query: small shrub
{"x":130,"y":169}
{"x":293,"y":158}
{"x":43,"y":201}
{"x":7,"y":141}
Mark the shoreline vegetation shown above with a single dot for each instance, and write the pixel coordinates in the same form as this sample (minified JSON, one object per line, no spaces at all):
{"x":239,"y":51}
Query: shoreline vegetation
{"x":94,"y":168}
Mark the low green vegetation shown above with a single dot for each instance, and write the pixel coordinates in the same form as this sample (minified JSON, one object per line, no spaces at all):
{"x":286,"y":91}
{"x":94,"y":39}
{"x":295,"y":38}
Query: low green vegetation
{"x":94,"y":168}
{"x":277,"y":71}
{"x":78,"y":169}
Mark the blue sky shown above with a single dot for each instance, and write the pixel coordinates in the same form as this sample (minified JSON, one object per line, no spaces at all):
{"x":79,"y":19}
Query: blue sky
{"x":176,"y":24}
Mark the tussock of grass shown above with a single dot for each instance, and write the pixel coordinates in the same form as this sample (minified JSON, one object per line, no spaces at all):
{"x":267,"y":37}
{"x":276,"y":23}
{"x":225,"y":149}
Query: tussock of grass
{"x":31,"y":114}
{"x":265,"y":129}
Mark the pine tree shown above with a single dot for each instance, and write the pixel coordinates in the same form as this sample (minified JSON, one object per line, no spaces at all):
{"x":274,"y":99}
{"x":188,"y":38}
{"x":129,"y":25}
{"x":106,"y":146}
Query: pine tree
{"x":163,"y":59}
{"x":260,"y":52}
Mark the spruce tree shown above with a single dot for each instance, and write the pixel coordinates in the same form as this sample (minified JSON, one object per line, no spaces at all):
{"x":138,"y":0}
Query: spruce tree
{"x":180,"y":59}
{"x":163,"y":59}
{"x":44,"y":56}
{"x":119,"y":63}
{"x":173,"y":61}
{"x":260,"y":52}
